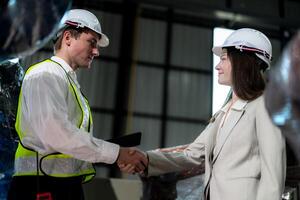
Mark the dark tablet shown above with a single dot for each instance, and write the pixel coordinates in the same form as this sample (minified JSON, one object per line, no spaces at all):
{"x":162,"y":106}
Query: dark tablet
{"x":130,"y":140}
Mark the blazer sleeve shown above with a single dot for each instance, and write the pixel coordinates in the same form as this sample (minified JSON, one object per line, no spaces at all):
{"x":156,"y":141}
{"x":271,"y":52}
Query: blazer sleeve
{"x":272,"y":156}
{"x":165,"y":162}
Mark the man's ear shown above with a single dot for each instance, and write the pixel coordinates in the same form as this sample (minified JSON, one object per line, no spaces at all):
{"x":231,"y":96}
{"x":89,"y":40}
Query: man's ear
{"x":67,"y":38}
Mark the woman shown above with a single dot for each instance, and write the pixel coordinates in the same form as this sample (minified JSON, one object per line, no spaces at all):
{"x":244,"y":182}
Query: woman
{"x":243,"y":151}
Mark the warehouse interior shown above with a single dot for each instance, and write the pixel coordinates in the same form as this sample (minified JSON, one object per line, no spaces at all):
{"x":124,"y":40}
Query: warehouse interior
{"x":156,"y":76}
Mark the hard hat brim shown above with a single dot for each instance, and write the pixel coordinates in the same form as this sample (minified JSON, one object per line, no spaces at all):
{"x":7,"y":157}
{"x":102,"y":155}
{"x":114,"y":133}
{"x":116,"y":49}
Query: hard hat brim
{"x":104,"y":41}
{"x":217,"y":50}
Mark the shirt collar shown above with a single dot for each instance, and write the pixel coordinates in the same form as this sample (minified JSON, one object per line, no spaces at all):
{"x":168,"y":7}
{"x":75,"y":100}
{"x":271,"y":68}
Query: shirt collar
{"x":63,"y":63}
{"x":225,"y":108}
{"x":238,"y":105}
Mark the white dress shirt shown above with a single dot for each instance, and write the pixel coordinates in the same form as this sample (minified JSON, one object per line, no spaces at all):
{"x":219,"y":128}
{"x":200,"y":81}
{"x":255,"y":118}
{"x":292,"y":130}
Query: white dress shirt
{"x":47,"y":116}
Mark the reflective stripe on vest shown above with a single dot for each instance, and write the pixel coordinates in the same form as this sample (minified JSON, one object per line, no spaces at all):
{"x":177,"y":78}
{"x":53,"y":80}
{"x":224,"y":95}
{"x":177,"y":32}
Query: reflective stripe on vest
{"x":56,"y":165}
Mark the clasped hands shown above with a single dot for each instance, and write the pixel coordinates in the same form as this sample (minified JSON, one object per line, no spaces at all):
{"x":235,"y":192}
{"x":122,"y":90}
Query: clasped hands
{"x":131,"y":160}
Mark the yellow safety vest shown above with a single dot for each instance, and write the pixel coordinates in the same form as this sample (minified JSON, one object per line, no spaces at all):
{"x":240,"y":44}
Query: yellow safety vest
{"x":29,"y":162}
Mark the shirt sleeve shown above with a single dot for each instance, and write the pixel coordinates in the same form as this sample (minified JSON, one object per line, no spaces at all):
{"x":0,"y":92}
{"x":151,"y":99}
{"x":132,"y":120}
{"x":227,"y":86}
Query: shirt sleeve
{"x":163,"y":162}
{"x":272,"y":155}
{"x":48,"y":129}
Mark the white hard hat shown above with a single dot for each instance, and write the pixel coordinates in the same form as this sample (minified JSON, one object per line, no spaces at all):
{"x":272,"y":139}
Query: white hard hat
{"x":80,"y":18}
{"x":247,"y":39}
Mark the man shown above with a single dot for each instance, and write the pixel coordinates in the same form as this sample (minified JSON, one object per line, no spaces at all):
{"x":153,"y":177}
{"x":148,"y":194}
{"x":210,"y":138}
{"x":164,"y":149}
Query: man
{"x":54,"y":120}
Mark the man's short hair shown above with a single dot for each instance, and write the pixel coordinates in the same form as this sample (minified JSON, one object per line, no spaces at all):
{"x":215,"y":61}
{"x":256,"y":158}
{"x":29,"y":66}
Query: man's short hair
{"x":75,"y":32}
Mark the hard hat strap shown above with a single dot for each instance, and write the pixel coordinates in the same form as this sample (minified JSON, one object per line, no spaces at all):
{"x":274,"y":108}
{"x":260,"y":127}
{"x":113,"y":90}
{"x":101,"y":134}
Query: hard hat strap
{"x":255,"y":50}
{"x":76,"y":24}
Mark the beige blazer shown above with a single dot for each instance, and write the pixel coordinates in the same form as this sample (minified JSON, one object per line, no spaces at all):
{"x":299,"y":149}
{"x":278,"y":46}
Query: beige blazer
{"x":246,"y":160}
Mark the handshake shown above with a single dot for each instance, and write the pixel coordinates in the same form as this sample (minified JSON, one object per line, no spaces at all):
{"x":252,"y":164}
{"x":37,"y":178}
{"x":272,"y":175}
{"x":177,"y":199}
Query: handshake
{"x":132,"y":160}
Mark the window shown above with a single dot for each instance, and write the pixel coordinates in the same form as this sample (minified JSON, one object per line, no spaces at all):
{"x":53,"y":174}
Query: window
{"x":219,"y":91}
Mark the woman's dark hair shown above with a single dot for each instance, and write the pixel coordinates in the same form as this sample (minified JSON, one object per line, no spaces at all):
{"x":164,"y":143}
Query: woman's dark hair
{"x":248,"y":82}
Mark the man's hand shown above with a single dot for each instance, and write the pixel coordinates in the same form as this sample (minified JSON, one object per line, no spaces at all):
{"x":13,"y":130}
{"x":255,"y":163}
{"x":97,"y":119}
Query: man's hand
{"x":132,"y":160}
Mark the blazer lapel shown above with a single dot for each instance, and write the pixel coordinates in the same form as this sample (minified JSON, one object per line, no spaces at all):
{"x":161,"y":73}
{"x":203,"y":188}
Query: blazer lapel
{"x":210,"y":143}
{"x":211,"y":139}
{"x":235,"y":115}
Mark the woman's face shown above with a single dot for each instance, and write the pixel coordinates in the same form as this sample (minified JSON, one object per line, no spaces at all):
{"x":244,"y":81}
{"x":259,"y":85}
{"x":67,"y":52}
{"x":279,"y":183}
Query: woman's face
{"x":224,"y":69}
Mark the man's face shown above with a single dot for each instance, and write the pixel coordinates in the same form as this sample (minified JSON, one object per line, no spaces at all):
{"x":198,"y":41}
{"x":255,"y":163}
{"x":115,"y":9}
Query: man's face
{"x":84,"y":49}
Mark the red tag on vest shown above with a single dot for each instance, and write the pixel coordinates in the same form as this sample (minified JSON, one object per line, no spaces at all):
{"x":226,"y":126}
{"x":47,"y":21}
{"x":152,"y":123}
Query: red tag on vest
{"x":44,"y":196}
